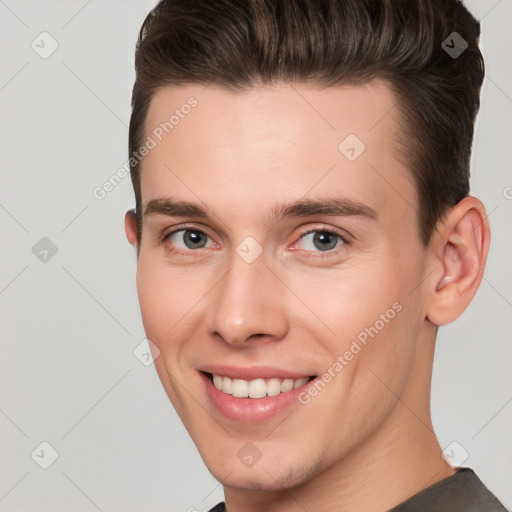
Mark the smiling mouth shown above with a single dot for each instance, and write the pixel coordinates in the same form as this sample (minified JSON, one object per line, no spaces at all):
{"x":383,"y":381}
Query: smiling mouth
{"x":256,"y":388}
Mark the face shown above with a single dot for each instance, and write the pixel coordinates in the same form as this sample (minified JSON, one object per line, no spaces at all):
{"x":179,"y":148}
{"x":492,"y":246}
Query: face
{"x":295,"y":275}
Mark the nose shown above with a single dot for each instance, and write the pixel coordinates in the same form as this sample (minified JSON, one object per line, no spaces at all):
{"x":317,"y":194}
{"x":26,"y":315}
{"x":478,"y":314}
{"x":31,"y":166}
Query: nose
{"x":248,"y":303}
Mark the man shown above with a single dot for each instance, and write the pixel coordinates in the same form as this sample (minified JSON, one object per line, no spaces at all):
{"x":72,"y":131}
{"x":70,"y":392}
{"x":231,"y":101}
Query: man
{"x":303,"y":226}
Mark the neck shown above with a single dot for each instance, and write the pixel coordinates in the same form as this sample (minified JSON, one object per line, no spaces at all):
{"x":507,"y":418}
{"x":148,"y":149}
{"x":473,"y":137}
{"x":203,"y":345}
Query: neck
{"x":375,"y":476}
{"x":401,"y":458}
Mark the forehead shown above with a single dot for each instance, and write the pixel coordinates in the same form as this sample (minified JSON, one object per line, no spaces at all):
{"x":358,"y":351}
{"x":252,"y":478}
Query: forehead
{"x":365,"y":110}
{"x":274,"y":143}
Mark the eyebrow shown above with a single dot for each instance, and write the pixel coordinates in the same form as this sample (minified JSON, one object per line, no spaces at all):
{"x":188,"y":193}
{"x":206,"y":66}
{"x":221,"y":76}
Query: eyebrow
{"x":333,"y":206}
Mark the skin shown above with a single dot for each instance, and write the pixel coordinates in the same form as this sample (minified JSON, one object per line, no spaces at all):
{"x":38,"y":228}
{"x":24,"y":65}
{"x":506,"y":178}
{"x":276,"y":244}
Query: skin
{"x":366,"y":441}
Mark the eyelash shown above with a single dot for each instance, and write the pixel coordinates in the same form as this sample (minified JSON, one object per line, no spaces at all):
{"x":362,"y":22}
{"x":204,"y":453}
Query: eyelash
{"x":320,"y":254}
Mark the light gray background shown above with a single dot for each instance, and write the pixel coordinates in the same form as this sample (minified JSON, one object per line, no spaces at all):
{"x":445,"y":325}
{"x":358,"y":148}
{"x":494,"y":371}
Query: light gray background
{"x":69,"y":325}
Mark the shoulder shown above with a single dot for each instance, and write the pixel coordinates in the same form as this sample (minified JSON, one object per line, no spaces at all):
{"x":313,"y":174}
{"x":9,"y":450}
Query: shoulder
{"x":461,"y":492}
{"x":220,"y":507}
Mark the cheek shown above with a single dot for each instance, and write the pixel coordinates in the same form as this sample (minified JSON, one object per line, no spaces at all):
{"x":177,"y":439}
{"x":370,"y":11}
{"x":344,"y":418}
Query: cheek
{"x":348,"y":301}
{"x":370,"y":318}
{"x":163,"y":301}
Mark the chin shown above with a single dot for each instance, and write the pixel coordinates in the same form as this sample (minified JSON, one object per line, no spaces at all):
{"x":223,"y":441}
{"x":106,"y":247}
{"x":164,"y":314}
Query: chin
{"x":264,"y":477}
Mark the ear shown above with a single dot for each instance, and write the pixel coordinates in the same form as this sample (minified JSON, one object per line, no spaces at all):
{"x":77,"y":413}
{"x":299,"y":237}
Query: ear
{"x":130,"y":227}
{"x":459,"y":249}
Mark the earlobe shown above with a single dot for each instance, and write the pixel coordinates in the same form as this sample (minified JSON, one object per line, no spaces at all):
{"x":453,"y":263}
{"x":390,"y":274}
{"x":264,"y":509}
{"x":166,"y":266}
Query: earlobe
{"x":130,"y":227}
{"x":460,"y":246}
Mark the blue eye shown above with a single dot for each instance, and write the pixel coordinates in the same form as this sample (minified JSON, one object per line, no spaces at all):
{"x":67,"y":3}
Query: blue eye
{"x":323,"y":240}
{"x":192,"y":238}
{"x":186,"y":241}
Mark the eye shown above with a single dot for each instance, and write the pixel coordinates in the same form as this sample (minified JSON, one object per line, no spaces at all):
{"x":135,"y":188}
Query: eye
{"x":322,"y":240}
{"x":186,"y":240}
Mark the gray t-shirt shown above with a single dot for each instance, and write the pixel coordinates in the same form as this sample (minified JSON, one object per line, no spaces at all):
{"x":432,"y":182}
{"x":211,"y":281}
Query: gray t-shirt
{"x":461,"y":492}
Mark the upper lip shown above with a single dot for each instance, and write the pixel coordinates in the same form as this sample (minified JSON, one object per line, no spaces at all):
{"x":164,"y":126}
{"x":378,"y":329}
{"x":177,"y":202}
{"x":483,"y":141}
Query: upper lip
{"x":251,"y":373}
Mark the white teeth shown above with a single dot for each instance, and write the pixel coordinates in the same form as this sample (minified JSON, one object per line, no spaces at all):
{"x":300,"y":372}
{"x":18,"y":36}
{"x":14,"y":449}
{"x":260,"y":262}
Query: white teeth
{"x":257,"y":388}
{"x":273,"y":387}
{"x":227,"y":385}
{"x":286,"y":385}
{"x":300,"y":382}
{"x":240,"y":388}
{"x":217,"y":380}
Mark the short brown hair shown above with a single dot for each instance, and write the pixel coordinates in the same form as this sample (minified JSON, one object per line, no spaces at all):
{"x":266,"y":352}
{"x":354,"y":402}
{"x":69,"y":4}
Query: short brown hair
{"x":237,"y":44}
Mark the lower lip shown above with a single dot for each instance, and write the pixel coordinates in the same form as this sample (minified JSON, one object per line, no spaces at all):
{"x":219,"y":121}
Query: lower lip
{"x":251,"y":410}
